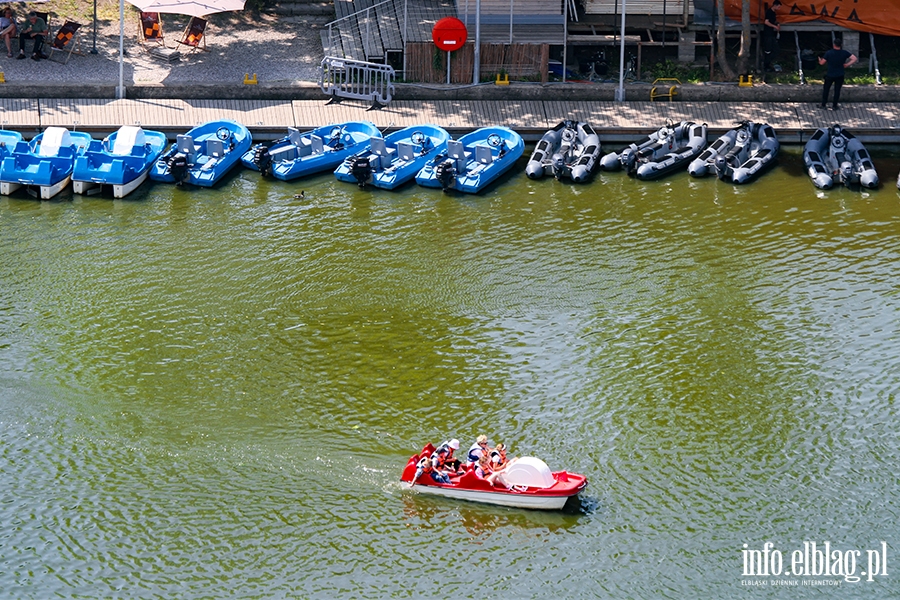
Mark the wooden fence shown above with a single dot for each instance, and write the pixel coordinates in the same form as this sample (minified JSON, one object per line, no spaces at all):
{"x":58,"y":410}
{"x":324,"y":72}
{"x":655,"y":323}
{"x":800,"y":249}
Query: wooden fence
{"x":426,"y":64}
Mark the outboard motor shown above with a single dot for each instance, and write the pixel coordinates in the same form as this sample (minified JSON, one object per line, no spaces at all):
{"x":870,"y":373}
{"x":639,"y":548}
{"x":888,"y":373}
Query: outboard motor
{"x":263,"y":160}
{"x":558,"y":161}
{"x":628,"y":158}
{"x":361,"y":169}
{"x":446,"y":173}
{"x":178,"y":166}
{"x":848,"y":175}
{"x":722,"y":168}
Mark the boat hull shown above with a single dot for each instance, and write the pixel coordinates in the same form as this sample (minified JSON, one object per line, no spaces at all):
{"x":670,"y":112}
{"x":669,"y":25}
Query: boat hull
{"x":497,"y":498}
{"x":121,"y":161}
{"x":739,"y":155}
{"x":568,"y":151}
{"x":396,"y":159}
{"x":302,"y":154}
{"x":44,"y":164}
{"x":835,"y":156}
{"x":474,"y":162}
{"x":204,"y":164}
{"x":525,"y":482}
{"x":671,"y":148}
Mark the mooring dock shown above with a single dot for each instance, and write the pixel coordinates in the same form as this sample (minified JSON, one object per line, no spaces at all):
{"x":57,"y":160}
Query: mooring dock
{"x":875,"y":122}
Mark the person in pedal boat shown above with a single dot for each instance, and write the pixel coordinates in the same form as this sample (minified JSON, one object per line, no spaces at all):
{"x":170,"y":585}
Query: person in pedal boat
{"x":482,"y":468}
{"x":478,"y":448}
{"x":448,"y":448}
{"x":425,"y":466}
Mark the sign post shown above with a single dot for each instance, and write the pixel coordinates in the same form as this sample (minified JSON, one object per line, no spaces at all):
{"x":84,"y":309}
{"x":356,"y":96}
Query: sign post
{"x":449,"y":34}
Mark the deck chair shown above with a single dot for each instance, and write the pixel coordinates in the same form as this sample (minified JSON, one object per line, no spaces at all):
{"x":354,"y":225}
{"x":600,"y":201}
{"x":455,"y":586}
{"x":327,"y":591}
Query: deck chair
{"x":66,"y":41}
{"x":150,"y":31}
{"x":195,"y":35}
{"x":45,"y":16}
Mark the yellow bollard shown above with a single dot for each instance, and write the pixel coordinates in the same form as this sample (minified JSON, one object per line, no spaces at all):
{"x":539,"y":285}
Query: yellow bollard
{"x":2,"y":77}
{"x":502,"y":79}
{"x":249,"y":81}
{"x":746,"y":81}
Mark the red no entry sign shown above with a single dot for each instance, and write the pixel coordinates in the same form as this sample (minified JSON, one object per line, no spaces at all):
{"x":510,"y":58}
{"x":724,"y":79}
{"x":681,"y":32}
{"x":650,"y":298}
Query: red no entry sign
{"x":449,"y":34}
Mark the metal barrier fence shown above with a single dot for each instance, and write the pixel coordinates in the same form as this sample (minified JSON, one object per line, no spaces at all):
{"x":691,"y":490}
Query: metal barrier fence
{"x":344,"y":78}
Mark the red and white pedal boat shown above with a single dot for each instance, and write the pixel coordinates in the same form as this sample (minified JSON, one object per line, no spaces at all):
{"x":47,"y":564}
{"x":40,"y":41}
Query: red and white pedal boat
{"x":532,"y":484}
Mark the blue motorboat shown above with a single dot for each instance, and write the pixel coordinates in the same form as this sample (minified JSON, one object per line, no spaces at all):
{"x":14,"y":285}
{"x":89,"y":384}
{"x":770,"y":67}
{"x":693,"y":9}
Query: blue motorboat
{"x":299,"y":154}
{"x":122,"y":160}
{"x":46,"y":162}
{"x":395,"y":159}
{"x":473,"y":161}
{"x":203,"y":155}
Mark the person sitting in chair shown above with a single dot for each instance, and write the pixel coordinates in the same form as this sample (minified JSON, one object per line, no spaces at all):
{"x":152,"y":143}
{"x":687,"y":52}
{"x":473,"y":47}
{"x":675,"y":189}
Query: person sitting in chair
{"x":8,"y":29}
{"x":36,"y":29}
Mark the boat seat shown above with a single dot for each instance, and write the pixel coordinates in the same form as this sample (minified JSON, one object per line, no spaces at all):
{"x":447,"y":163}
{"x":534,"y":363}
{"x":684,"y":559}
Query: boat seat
{"x":483,"y":155}
{"x":317,"y":144}
{"x":304,"y":146}
{"x":215,"y":148}
{"x":53,"y":139}
{"x":128,"y":138}
{"x":457,"y":151}
{"x":284,"y":153}
{"x":185,"y":144}
{"x":379,"y":148}
{"x":294,"y":136}
{"x":406,"y":151}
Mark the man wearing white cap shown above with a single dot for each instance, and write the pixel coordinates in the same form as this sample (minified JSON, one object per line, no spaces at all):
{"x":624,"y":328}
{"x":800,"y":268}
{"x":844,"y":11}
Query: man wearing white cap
{"x":448,"y":448}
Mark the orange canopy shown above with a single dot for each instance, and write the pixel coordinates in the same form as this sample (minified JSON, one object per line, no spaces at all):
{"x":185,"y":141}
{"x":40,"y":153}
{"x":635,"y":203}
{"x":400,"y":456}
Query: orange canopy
{"x":874,"y":16}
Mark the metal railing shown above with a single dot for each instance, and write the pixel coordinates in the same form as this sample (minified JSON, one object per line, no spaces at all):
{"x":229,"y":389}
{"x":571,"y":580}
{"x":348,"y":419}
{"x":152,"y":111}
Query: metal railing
{"x":383,"y":29}
{"x":345,"y":35}
{"x":345,"y":78}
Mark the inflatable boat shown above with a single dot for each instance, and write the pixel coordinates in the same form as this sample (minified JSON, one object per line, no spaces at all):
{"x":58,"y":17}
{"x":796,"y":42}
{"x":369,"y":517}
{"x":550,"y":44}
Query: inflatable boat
{"x":664,"y":151}
{"x":739,"y":155}
{"x":473,"y":161}
{"x":569,"y":150}
{"x":529,"y":483}
{"x":834,"y":156}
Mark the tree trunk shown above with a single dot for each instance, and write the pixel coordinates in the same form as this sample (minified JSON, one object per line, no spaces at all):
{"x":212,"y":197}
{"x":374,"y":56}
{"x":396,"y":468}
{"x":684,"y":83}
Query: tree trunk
{"x":720,"y":39}
{"x":743,"y":63}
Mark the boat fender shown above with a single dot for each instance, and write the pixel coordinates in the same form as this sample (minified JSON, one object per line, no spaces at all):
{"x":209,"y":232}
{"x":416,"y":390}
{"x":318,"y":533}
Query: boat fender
{"x":361,"y":169}
{"x":178,"y":166}
{"x":263,"y":160}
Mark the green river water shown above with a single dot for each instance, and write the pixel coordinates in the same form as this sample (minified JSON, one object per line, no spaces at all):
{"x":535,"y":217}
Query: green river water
{"x":212,"y":393}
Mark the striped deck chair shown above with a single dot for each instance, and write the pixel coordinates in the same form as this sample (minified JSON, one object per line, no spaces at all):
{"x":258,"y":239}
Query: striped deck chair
{"x":66,"y":41}
{"x":195,"y":34}
{"x":150,"y":30}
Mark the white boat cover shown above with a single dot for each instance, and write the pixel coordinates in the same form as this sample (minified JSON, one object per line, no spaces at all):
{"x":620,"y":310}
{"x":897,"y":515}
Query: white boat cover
{"x":53,"y":139}
{"x":127,"y":138}
{"x":529,"y":471}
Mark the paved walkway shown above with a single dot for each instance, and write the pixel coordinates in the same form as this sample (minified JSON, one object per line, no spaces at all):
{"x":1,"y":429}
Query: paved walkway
{"x":616,"y":122}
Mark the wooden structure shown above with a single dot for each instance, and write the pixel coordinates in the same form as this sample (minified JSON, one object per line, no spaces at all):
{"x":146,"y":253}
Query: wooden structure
{"x":614,"y":121}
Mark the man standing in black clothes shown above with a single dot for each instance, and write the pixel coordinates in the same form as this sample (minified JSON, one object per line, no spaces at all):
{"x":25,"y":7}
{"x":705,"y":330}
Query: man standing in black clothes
{"x":838,"y":59}
{"x":771,"y":29}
